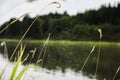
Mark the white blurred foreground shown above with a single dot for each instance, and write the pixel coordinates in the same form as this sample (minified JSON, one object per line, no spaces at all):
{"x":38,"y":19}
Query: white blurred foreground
{"x":40,"y":74}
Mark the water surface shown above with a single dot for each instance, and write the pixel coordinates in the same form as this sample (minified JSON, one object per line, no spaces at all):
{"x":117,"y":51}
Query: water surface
{"x":72,"y":55}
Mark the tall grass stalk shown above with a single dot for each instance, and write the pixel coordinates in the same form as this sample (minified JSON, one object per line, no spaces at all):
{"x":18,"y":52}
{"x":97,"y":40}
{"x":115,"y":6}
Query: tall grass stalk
{"x":5,"y":49}
{"x":12,"y":75}
{"x":21,"y":73}
{"x":98,"y":56}
{"x":116,"y":73}
{"x":28,"y":27}
{"x":22,"y":38}
{"x":6,"y":56}
{"x":93,"y":48}
{"x":3,"y":70}
{"x":33,"y":53}
{"x":43,"y":50}
{"x":17,"y":19}
{"x":25,"y":58}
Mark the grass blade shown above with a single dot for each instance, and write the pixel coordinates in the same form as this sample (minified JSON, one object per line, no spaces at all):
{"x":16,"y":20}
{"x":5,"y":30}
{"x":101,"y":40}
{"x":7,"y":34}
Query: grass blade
{"x":93,"y":48}
{"x":23,"y":71}
{"x":99,"y":51}
{"x":116,"y":73}
{"x":17,"y":64}
{"x":13,"y":22}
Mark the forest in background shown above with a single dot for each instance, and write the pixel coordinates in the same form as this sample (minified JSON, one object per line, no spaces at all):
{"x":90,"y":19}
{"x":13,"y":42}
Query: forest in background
{"x":82,"y":26}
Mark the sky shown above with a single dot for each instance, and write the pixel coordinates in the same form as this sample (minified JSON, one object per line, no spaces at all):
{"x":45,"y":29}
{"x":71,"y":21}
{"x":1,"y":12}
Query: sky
{"x":15,"y":8}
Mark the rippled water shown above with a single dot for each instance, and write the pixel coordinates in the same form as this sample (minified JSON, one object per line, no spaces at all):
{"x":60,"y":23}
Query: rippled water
{"x":40,"y":74}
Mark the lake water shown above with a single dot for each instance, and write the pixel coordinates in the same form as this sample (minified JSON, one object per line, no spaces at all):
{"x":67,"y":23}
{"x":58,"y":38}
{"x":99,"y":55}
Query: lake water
{"x":63,"y":59}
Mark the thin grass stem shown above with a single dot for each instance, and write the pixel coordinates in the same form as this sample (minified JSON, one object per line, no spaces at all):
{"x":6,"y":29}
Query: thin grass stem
{"x":116,"y":73}
{"x":98,"y":56}
{"x":93,"y":48}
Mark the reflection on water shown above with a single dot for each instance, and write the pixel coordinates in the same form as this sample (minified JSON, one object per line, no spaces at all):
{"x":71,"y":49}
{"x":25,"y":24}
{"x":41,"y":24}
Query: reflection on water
{"x":41,"y":74}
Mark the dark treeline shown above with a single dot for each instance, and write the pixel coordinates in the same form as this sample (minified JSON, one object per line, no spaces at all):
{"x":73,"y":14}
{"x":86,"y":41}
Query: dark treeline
{"x":82,"y":26}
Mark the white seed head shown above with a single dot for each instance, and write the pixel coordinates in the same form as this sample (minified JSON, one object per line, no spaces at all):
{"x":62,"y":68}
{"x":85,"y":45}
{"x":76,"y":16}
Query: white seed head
{"x":100,"y":32}
{"x":2,"y":43}
{"x":55,"y":2}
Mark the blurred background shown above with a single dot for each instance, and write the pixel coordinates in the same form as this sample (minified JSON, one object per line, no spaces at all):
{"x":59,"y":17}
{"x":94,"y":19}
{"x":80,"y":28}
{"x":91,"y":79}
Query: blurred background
{"x":73,"y":27}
